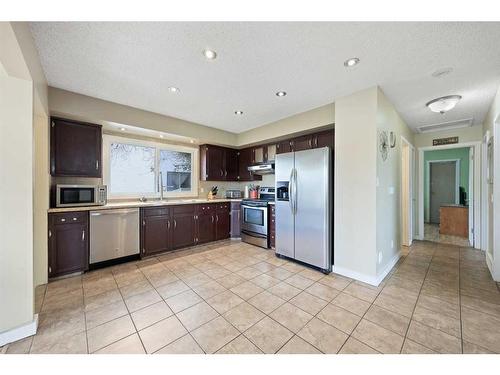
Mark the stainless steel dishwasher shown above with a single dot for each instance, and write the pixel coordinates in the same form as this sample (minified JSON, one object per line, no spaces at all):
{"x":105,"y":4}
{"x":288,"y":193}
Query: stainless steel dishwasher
{"x":113,"y":234}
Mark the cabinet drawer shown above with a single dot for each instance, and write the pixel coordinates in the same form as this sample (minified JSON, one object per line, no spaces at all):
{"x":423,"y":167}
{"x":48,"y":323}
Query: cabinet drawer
{"x":206,"y":208}
{"x":184,"y":209}
{"x":223,"y":207}
{"x":69,"y":217}
{"x":155,"y":211}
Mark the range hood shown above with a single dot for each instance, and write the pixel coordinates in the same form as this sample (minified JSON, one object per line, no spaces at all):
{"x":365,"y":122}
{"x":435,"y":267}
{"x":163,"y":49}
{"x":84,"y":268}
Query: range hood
{"x":265,"y":168}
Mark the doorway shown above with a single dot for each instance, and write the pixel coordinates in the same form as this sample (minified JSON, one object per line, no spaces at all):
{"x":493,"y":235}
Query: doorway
{"x":407,"y":192}
{"x":447,"y":176}
{"x":443,"y":186}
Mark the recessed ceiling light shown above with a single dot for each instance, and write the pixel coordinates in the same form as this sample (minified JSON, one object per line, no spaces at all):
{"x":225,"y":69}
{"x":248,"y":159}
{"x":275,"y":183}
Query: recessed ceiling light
{"x":444,"y":103}
{"x":122,"y":129}
{"x":161,"y":135}
{"x":238,"y":112}
{"x":192,"y":141}
{"x":281,"y":93}
{"x":173,"y":89}
{"x":351,"y":62}
{"x":442,"y":72}
{"x":210,"y":54}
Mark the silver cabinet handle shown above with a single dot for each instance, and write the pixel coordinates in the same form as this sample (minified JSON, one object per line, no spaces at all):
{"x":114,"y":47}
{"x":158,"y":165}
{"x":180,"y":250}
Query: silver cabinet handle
{"x":221,"y":173}
{"x":63,"y":220}
{"x":175,"y":224}
{"x":168,"y":224}
{"x":217,"y":218}
{"x":83,"y":235}
{"x":75,"y":219}
{"x":212,"y":218}
{"x":144,"y":223}
{"x":97,"y":165}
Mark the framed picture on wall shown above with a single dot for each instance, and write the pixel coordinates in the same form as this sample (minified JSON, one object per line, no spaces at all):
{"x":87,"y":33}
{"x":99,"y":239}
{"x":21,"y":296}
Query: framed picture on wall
{"x":489,"y":164}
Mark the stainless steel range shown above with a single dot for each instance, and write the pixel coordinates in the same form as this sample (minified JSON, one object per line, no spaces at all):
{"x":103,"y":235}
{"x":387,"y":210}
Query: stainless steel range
{"x":254,"y":218}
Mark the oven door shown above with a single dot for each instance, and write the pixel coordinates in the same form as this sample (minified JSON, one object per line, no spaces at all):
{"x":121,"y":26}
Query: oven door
{"x":72,"y":195}
{"x":254,"y":219}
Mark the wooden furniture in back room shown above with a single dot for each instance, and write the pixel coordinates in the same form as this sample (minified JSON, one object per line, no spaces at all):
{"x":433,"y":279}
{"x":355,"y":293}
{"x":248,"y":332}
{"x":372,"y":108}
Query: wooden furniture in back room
{"x":454,"y":220}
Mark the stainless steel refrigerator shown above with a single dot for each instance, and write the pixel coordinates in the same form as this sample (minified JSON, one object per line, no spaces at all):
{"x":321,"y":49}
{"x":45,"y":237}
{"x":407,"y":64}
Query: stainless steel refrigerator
{"x":304,"y":207}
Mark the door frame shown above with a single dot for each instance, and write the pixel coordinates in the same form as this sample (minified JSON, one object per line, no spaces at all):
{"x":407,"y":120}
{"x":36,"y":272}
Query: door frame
{"x":407,"y":191}
{"x":428,"y":185}
{"x":476,"y":199}
{"x":493,"y":259}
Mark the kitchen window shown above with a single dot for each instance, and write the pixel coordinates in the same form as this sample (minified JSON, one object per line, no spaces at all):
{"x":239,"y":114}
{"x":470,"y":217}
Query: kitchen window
{"x":132,"y":168}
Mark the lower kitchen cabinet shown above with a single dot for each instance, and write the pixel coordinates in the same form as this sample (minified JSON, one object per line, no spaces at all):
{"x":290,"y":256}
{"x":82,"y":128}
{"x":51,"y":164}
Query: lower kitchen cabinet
{"x":155,"y":231}
{"x":68,"y":247}
{"x":205,"y":223}
{"x":272,"y":226}
{"x":184,"y":226}
{"x":235,"y":219}
{"x":222,"y":221}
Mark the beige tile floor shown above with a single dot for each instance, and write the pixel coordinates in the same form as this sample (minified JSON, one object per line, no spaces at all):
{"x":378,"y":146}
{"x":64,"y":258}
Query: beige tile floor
{"x":431,"y":233}
{"x":231,"y":297}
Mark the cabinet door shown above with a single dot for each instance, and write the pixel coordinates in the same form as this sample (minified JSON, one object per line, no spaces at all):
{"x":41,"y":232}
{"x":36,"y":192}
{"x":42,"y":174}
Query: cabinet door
{"x":75,"y":149}
{"x":324,"y":139}
{"x":205,"y":227}
{"x":214,"y":163}
{"x":223,"y":223}
{"x":284,"y":146}
{"x":183,"y":226}
{"x":235,"y":219}
{"x":302,"y":143}
{"x":231,"y":164}
{"x":155,"y":234}
{"x":68,"y":249}
{"x":245,"y":159}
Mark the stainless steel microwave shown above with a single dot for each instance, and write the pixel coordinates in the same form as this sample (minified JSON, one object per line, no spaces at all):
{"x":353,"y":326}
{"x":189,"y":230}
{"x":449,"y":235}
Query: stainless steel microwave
{"x":80,"y":195}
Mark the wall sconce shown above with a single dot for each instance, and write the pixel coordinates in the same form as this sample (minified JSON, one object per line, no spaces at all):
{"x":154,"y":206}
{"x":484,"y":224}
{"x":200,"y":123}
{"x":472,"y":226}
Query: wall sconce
{"x":385,"y":143}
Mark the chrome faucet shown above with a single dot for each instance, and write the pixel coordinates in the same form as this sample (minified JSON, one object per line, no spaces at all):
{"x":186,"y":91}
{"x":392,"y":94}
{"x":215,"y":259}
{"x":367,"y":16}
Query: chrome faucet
{"x":160,"y":185}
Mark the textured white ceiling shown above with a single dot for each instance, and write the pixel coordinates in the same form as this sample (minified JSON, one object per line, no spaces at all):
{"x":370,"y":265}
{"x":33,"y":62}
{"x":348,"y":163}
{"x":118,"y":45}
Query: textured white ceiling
{"x":134,"y":64}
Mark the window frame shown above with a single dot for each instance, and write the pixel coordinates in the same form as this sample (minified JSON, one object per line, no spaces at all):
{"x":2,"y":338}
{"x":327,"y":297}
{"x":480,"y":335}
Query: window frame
{"x":158,"y":146}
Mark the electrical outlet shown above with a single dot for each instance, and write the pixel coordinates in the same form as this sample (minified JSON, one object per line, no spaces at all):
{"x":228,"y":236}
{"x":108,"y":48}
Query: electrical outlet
{"x":202,"y":190}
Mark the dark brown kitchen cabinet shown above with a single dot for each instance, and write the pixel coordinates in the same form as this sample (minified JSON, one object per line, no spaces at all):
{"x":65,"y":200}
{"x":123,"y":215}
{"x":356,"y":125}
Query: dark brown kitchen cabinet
{"x":222,"y":221}
{"x":205,"y":223}
{"x":68,"y":247}
{"x":235,"y":219}
{"x":156,"y":235}
{"x":324,"y":139}
{"x":301,"y":143}
{"x":183,"y":226}
{"x":246,"y":158}
{"x":272,"y":226}
{"x":75,"y":148}
{"x":284,"y":146}
{"x":218,"y":163}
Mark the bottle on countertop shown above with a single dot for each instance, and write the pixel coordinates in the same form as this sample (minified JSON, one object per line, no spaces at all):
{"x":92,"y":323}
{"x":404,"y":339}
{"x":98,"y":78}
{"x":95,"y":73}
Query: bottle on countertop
{"x":246,"y":192}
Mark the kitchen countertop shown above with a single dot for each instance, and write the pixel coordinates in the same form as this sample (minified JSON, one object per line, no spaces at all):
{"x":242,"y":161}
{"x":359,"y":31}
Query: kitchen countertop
{"x":134,"y":204}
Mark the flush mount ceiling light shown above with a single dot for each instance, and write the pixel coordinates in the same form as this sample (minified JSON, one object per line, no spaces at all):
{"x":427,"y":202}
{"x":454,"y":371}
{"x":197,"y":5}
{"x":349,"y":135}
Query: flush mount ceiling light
{"x":210,"y":54}
{"x":351,"y":62}
{"x":173,"y":89}
{"x":444,"y":103}
{"x":238,"y":112}
{"x":281,"y":93}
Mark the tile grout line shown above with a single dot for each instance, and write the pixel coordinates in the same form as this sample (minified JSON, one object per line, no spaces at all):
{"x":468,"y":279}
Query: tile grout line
{"x":460,"y":301}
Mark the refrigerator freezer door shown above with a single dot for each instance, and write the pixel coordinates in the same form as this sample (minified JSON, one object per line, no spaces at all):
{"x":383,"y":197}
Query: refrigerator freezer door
{"x":283,"y":210}
{"x":312,"y":218}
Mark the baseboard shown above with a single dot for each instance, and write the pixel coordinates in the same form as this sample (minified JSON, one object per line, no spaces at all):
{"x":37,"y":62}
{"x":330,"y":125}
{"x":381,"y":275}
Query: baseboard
{"x":18,"y":333}
{"x":491,"y":267}
{"x":375,"y":281}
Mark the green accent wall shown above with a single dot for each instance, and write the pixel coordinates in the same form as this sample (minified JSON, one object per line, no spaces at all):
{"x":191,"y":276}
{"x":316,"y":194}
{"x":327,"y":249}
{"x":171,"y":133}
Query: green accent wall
{"x":453,"y":153}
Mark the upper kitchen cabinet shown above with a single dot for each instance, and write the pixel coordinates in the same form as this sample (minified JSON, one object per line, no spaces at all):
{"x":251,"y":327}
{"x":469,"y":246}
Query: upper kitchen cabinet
{"x":246,"y":158}
{"x":304,"y":142}
{"x":259,"y":154}
{"x":284,"y":146}
{"x":270,"y":154}
{"x":218,"y":163}
{"x":324,"y":139}
{"x":75,"y":148}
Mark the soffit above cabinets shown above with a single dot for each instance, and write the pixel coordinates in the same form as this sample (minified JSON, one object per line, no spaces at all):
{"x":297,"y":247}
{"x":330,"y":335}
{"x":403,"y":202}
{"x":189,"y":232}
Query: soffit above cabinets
{"x":135,"y":63}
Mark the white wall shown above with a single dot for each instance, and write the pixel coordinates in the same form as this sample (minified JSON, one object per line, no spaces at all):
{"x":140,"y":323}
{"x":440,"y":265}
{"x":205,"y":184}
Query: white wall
{"x":16,"y":204}
{"x":389,"y":186}
{"x":355,"y":211}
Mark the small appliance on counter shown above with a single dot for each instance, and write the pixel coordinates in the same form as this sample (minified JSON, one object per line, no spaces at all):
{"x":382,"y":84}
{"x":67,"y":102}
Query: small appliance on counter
{"x":233,"y":194}
{"x":80,"y":195}
{"x":254,"y":218}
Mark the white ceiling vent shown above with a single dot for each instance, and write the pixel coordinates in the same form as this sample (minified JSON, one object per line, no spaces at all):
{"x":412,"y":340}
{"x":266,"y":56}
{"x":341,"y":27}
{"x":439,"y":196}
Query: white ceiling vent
{"x":445,"y":126}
